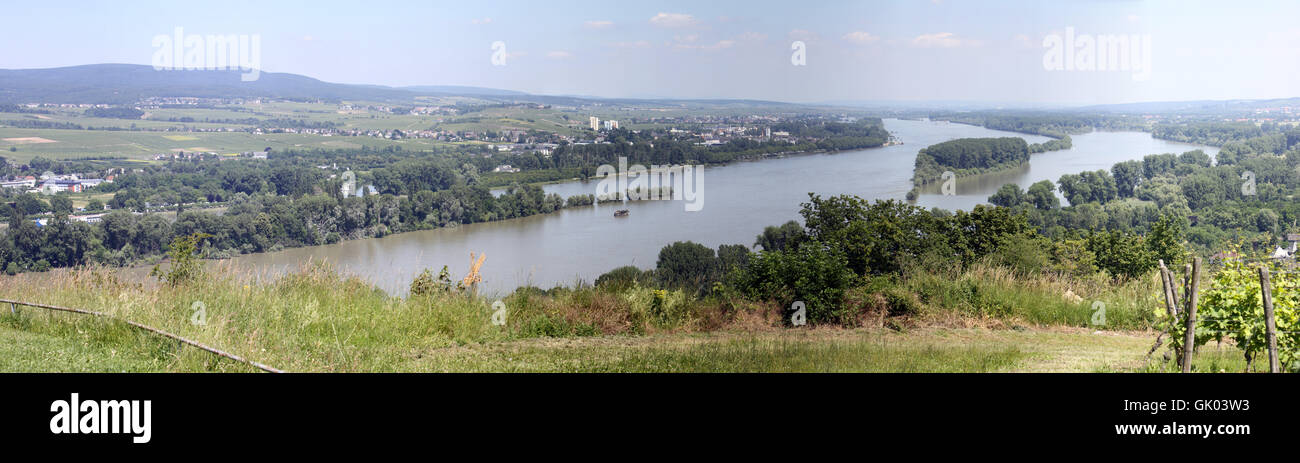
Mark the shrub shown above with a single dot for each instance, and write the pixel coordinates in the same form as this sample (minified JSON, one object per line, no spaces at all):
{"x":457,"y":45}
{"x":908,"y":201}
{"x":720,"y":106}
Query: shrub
{"x":425,"y":285}
{"x":815,"y":274}
{"x":1024,"y":255}
{"x":185,"y":267}
{"x":686,"y":265}
{"x":622,"y":278}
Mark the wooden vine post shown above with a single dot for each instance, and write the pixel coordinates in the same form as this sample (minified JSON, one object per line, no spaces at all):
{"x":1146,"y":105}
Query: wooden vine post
{"x":1171,"y":307}
{"x":1266,"y":293}
{"x":1189,"y":339}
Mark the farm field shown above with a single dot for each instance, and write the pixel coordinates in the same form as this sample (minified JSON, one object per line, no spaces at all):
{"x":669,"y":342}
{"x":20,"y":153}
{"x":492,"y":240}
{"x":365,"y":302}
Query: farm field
{"x":140,"y":144}
{"x":67,"y":144}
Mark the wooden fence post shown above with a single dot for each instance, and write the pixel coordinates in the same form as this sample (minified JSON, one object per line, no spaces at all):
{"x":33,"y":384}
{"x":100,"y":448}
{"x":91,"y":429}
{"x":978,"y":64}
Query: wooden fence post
{"x":1167,"y":283}
{"x":1189,"y":341}
{"x":1266,"y":292}
{"x":1167,"y":286}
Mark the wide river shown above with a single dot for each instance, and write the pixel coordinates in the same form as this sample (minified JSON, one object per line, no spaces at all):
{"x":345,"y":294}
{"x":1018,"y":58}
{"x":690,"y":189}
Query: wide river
{"x":739,"y":200}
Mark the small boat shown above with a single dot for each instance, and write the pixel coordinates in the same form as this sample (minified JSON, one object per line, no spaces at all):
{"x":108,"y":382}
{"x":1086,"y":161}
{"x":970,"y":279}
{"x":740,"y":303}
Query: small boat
{"x":620,"y":213}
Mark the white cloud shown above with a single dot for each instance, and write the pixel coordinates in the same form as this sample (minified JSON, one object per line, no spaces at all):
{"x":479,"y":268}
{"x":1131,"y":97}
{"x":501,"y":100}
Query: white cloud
{"x":598,"y":24}
{"x":861,"y":37}
{"x":559,"y":54}
{"x":804,"y":35}
{"x":636,"y":44}
{"x":481,"y":21}
{"x":942,"y":40}
{"x":720,"y":45}
{"x":673,"y":20}
{"x":692,"y":45}
{"x":1023,"y":41}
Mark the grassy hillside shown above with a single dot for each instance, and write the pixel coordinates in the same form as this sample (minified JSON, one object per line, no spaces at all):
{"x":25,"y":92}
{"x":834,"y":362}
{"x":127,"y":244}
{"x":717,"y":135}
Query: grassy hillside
{"x":315,"y":320}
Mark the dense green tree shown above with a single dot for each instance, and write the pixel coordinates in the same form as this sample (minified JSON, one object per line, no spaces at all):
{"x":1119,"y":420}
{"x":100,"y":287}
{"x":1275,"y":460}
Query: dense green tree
{"x":1009,"y":195}
{"x":1127,"y":176}
{"x":31,"y":203}
{"x":686,"y":265}
{"x":813,"y":274}
{"x":61,"y":204}
{"x":1043,"y":195}
{"x":786,"y":236}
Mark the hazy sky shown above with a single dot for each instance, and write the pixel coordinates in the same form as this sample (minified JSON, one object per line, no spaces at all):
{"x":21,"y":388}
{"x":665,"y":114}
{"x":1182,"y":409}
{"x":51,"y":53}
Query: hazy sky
{"x":855,"y":50}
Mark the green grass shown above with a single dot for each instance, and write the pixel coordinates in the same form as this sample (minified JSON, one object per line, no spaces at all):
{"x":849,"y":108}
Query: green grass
{"x":932,"y":349}
{"x":1209,"y":358}
{"x":316,"y":320}
{"x":997,"y":293}
{"x":24,"y":350}
{"x":784,"y":355}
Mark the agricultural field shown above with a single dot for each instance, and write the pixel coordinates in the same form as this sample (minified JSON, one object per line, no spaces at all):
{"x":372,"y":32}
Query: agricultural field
{"x":68,"y":144}
{"x":145,"y":137}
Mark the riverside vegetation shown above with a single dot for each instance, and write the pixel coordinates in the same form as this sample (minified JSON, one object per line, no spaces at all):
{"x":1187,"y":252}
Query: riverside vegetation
{"x":868,"y":284}
{"x":295,"y":199}
{"x":887,"y":286}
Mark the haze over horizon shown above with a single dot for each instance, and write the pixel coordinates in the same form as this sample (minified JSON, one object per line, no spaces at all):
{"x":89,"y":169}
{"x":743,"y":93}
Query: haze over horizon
{"x":894,"y":51}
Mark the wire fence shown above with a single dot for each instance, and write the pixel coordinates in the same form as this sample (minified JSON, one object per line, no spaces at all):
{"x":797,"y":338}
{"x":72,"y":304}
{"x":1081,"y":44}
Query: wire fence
{"x":13,"y":308}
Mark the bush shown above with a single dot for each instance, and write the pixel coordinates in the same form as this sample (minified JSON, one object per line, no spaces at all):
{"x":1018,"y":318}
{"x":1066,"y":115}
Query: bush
{"x":686,"y":265}
{"x":185,"y":267}
{"x":1024,"y":255}
{"x":787,"y":236}
{"x":815,"y":274}
{"x":622,"y":278}
{"x":546,"y":326}
{"x":425,"y":285}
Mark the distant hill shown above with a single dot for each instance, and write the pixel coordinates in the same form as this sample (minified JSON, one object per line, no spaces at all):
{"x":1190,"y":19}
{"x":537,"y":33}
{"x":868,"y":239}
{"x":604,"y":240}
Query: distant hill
{"x":461,"y":90}
{"x":129,"y":83}
{"x":1194,"y":107}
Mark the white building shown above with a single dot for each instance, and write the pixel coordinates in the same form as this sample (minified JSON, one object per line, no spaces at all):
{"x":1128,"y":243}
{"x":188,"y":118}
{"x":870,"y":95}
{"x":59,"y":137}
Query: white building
{"x":595,"y":123}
